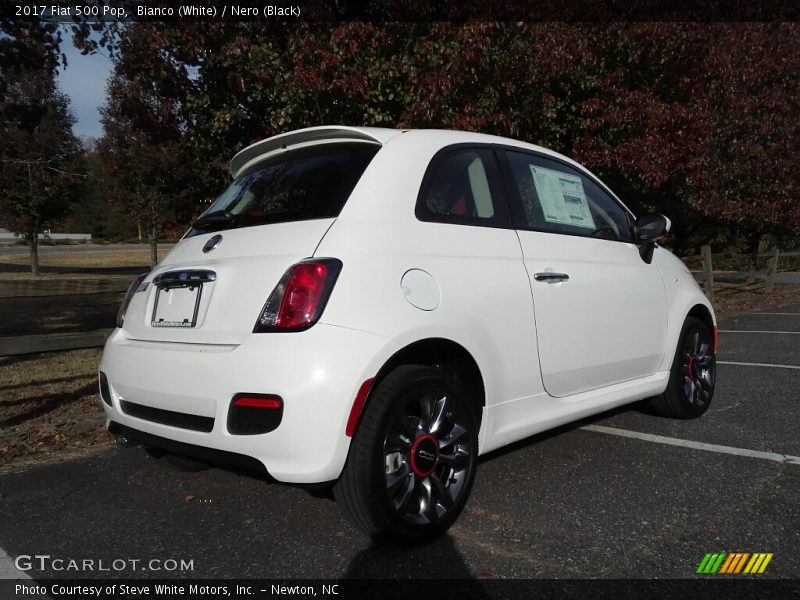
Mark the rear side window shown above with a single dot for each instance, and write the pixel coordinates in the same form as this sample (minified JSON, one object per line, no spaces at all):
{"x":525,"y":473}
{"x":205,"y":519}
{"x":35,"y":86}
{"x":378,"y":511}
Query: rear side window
{"x":297,"y":185}
{"x":461,"y":186}
{"x":560,"y":199}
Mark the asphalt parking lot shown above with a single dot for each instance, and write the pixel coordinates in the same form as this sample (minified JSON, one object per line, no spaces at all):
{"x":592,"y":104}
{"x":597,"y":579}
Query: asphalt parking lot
{"x":624,"y":495}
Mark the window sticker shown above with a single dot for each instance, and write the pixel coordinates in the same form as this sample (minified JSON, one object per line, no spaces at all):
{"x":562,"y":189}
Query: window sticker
{"x":562,"y":198}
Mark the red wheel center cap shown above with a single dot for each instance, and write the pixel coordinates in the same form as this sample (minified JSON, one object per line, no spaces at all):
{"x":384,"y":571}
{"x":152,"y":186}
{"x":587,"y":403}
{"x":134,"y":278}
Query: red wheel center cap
{"x":424,"y":455}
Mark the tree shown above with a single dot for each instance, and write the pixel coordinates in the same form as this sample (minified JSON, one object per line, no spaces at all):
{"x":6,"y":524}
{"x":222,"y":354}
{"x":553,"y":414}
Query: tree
{"x":750,"y":162}
{"x":143,"y":125}
{"x":40,"y":174}
{"x":671,"y":115}
{"x":98,"y":210}
{"x":40,"y":170}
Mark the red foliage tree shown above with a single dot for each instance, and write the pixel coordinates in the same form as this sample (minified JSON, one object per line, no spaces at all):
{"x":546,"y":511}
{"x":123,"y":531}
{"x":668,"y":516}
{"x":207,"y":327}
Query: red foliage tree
{"x":698,"y":120}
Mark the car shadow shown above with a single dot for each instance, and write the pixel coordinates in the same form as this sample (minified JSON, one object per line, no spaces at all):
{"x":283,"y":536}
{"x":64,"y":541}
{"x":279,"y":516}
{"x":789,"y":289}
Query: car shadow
{"x":48,"y":405}
{"x":7,"y":361}
{"x":14,"y":386}
{"x":438,"y":563}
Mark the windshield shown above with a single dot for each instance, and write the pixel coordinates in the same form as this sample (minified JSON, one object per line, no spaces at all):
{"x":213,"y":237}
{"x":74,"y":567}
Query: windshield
{"x":297,"y":185}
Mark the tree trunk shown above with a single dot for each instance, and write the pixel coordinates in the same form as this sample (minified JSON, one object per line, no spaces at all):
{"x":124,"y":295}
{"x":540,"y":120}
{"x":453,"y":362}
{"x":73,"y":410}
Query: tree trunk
{"x":153,"y":239}
{"x":753,"y":242}
{"x":139,"y":228}
{"x":33,"y":232}
{"x":155,"y":225}
{"x":34,"y":252}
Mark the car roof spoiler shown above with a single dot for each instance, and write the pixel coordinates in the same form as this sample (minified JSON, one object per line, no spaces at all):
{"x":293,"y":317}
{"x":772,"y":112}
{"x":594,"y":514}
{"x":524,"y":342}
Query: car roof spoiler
{"x":303,"y":137}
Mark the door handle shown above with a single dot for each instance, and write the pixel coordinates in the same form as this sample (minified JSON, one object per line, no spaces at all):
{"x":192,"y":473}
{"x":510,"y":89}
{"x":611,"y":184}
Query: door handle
{"x":551,"y":277}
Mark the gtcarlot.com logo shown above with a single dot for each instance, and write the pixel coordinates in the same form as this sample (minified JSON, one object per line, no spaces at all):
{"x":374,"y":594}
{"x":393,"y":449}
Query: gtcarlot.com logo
{"x":45,"y":562}
{"x":734,"y":563}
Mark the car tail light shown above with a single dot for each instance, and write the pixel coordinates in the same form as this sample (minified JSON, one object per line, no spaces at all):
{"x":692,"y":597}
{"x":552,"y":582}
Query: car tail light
{"x":298,"y":300}
{"x":245,"y":401}
{"x":135,"y":287}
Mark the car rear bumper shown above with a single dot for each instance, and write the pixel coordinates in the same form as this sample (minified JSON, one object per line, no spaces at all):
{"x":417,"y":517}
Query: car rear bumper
{"x":182,"y":393}
{"x":196,"y":454}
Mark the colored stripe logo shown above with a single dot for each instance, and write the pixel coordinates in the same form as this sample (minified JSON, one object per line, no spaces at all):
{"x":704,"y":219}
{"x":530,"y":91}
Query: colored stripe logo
{"x":734,"y":563}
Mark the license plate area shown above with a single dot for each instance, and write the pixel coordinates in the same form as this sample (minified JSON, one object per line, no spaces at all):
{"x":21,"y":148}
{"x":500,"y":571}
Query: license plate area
{"x":177,"y":301}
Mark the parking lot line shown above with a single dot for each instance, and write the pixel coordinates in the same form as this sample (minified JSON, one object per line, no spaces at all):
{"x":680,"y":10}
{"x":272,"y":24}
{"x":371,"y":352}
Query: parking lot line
{"x":747,"y":331}
{"x":778,"y":314}
{"x":660,"y":439}
{"x":747,"y":364}
{"x":7,"y":568}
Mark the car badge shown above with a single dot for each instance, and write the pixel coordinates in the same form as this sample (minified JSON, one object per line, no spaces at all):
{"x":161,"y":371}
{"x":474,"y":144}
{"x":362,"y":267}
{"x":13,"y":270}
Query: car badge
{"x":212,"y":243}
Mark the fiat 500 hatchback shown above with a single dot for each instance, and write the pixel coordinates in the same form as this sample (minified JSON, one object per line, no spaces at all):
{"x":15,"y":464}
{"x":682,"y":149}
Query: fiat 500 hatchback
{"x":372,"y":309}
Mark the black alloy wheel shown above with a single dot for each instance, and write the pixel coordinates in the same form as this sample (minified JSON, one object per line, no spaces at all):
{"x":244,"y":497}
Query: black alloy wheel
{"x":693,"y":375}
{"x":414,"y":456}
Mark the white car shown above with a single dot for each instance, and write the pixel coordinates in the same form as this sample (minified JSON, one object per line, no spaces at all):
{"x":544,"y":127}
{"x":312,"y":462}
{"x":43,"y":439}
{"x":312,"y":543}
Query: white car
{"x":373,"y":309}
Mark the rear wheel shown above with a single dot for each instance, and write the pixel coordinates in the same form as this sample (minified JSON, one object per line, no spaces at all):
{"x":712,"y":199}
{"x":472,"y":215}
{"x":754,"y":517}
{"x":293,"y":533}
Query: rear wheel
{"x":693,"y":374}
{"x":413,"y":459}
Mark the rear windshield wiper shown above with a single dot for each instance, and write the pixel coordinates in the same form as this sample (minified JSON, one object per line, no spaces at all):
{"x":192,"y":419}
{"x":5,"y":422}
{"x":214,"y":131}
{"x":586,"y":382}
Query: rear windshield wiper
{"x":214,"y":219}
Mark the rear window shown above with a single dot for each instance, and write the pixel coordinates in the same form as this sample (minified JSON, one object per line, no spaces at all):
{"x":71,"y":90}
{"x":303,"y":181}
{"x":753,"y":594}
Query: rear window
{"x":461,"y":187}
{"x":298,"y":185}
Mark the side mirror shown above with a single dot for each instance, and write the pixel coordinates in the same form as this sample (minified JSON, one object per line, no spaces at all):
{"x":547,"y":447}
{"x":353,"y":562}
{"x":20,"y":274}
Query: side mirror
{"x":649,"y":229}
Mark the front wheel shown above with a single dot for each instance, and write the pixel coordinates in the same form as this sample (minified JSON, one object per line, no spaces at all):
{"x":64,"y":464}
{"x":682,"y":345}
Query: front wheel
{"x":693,"y":375}
{"x":413,"y":459}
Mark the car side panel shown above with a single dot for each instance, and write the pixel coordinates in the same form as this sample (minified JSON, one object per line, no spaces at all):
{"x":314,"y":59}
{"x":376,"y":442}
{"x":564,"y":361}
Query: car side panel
{"x":484,"y":297}
{"x":683,"y":294}
{"x":484,"y":303}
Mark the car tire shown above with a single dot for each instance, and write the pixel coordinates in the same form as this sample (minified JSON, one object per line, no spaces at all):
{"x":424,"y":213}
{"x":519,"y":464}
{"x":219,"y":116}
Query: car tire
{"x":692,"y":376}
{"x":413,"y":458}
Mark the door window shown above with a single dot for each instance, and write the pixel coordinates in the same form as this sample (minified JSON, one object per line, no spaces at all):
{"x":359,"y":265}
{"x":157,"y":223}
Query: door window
{"x":557,"y":198}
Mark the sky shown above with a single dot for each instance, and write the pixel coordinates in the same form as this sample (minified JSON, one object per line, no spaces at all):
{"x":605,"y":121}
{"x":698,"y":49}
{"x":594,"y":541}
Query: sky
{"x":84,"y":81}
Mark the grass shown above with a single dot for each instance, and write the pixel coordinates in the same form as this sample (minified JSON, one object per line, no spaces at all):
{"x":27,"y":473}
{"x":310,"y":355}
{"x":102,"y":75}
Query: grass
{"x":81,"y":260}
{"x":733,"y":300}
{"x":60,"y":276}
{"x":78,"y":260}
{"x":49,"y":408}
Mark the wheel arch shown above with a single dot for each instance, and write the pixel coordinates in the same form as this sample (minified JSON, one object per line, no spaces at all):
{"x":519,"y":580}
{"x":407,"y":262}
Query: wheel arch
{"x":678,"y":401}
{"x":444,"y":354}
{"x":695,"y":308}
{"x":701,"y":312}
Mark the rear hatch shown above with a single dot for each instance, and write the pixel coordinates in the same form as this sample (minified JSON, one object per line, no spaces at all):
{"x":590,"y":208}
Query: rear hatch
{"x":213,"y":285}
